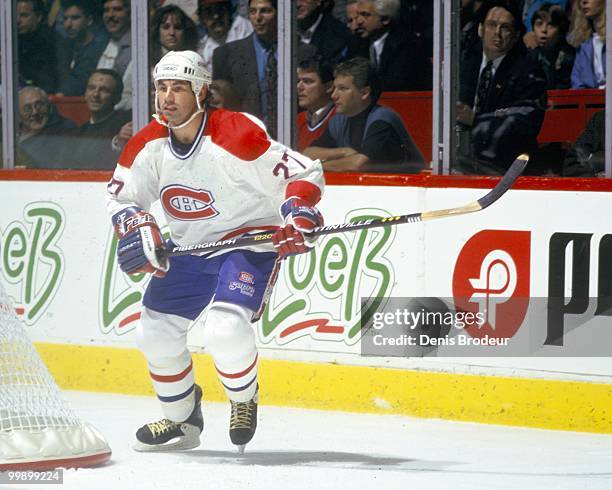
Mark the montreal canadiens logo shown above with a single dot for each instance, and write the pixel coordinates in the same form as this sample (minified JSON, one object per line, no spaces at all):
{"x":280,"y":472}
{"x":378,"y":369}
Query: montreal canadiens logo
{"x":185,"y":203}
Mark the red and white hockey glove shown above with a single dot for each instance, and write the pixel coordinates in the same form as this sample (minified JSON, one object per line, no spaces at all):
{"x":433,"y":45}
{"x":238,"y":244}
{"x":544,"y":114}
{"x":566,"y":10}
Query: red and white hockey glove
{"x":140,"y":240}
{"x":301,"y":219}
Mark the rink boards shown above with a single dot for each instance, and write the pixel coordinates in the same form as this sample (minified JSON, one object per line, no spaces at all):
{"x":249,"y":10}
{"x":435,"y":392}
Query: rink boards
{"x":58,"y":265}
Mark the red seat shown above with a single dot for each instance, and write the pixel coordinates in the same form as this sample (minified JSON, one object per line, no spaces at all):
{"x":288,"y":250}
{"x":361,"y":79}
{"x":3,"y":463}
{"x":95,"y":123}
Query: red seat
{"x":73,"y":108}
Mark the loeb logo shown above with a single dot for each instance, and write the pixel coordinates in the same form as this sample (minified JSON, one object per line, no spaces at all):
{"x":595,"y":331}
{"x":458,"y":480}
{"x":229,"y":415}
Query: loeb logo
{"x":185,"y":203}
{"x":491,"y":277}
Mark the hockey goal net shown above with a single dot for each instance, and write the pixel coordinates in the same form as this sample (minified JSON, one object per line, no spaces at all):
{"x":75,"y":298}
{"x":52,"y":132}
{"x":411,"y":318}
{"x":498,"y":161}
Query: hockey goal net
{"x":38,"y":431}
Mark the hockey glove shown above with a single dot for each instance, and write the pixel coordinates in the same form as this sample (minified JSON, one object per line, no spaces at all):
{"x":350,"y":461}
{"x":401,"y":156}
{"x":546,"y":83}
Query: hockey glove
{"x":300,"y":219}
{"x":139,"y":242}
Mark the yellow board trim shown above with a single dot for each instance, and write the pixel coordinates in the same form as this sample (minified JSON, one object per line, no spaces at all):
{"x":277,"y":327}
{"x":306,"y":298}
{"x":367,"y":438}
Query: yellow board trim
{"x":547,"y":404}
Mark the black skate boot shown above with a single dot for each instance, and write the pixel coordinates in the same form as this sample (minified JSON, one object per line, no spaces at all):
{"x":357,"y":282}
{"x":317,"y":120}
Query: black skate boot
{"x":243,"y":421}
{"x":167,"y":435}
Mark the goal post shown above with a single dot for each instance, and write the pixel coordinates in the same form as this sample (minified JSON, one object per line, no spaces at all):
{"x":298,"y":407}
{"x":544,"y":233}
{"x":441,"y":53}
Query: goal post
{"x":38,"y":430}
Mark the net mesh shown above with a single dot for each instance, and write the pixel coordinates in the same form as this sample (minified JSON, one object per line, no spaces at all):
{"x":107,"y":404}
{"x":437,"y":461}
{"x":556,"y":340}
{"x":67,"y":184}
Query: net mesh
{"x":29,"y":397}
{"x":38,"y":430}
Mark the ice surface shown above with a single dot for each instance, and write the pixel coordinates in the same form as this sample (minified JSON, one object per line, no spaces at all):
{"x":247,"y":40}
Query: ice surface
{"x":309,"y":449}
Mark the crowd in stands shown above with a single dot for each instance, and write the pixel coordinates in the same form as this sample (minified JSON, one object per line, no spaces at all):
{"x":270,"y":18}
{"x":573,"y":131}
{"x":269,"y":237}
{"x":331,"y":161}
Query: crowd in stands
{"x":349,"y":52}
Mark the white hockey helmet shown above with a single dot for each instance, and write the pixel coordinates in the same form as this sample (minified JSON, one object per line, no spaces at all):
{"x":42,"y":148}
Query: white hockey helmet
{"x":182,"y":65}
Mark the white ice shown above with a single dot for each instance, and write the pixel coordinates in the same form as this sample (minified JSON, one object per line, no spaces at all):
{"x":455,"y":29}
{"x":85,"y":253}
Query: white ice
{"x":309,"y":449}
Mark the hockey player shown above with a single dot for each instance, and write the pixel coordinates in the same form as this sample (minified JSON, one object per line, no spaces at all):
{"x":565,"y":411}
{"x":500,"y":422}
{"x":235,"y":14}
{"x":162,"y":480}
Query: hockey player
{"x":217,"y":174}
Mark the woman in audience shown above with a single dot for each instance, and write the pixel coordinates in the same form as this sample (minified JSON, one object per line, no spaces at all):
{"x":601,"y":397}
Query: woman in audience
{"x":171,"y":30}
{"x":588,"y":35}
{"x":556,"y":57}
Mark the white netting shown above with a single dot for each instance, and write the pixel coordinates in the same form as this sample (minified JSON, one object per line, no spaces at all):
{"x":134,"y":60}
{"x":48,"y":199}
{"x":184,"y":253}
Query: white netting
{"x":35,"y":422}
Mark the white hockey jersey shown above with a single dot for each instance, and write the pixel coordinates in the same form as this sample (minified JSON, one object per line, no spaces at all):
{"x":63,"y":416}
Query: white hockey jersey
{"x":230,"y":182}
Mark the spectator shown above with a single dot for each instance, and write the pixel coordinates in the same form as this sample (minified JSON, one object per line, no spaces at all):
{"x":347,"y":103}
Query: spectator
{"x":529,"y":8}
{"x":587,"y":157}
{"x":351,"y":16}
{"x":315,"y":82}
{"x":80,"y":51}
{"x":588,"y":36}
{"x":117,"y":54}
{"x":94,"y":149}
{"x":171,"y":30}
{"x":554,"y":55}
{"x":502,"y":95}
{"x":223,"y":96}
{"x":42,"y":135}
{"x":398,"y":56}
{"x":472,"y":15}
{"x":362,"y":135}
{"x":36,"y":45}
{"x":222,"y":25}
{"x":321,"y":30}
{"x":250,"y":64}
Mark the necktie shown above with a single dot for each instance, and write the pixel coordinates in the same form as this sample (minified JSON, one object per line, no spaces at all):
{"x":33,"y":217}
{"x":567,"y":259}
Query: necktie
{"x":483,"y":86}
{"x":373,"y":58}
{"x":271,"y":86}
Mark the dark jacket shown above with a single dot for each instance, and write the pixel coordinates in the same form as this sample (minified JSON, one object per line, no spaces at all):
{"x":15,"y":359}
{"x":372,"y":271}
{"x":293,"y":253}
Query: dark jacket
{"x":76,"y":62}
{"x":330,"y":38}
{"x":37,"y":59}
{"x":558,"y":68}
{"x":405,"y":62}
{"x":92,"y":148}
{"x":510,"y":118}
{"x":236,"y":63}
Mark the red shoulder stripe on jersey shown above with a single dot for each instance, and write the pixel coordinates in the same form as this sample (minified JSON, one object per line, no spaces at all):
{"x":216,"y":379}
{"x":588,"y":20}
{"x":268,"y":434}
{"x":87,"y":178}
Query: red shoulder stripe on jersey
{"x":237,"y":134}
{"x":304,"y":189}
{"x":150,"y":132}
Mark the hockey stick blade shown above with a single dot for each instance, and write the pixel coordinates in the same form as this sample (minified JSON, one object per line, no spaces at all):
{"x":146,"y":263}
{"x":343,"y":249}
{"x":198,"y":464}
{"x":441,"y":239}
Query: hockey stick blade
{"x":485,"y":201}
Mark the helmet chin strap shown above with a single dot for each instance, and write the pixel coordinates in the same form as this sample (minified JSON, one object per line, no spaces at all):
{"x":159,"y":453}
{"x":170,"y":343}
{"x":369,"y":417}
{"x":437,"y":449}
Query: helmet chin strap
{"x":162,"y":120}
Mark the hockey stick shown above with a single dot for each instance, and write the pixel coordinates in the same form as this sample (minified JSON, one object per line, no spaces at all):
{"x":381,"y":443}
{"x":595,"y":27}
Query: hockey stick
{"x":485,"y":201}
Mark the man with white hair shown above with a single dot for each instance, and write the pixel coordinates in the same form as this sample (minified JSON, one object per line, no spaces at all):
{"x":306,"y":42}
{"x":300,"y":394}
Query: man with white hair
{"x":217,"y":175}
{"x":398,"y":56}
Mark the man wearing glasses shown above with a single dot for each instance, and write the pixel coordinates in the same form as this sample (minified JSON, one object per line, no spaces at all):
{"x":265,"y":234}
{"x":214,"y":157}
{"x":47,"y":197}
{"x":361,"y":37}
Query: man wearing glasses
{"x":502,"y":95}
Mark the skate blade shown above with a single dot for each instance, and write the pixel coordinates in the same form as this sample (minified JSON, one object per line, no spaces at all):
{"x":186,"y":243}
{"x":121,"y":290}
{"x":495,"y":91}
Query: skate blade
{"x":180,"y":445}
{"x":241,"y":448}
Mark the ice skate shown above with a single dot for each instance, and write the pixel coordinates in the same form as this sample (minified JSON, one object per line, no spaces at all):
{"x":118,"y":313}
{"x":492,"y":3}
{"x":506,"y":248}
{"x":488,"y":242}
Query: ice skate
{"x":243,"y":422}
{"x":167,"y":435}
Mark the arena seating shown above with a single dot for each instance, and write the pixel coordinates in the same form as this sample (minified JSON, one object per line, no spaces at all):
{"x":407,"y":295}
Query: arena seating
{"x":567,"y":114}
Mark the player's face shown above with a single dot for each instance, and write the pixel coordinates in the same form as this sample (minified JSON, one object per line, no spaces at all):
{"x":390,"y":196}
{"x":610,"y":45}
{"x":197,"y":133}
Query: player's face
{"x":75,"y":22}
{"x":349,"y":99}
{"x":306,"y":8}
{"x":217,"y":19}
{"x":176,"y":100}
{"x":116,"y":18}
{"x":262,"y":15}
{"x":27,"y":20}
{"x":171,"y":33}
{"x":100,"y":94}
{"x":351,"y":17}
{"x":312,"y":92}
{"x":498,"y":33}
{"x":548,"y":35}
{"x":369,"y":23}
{"x":34,"y":111}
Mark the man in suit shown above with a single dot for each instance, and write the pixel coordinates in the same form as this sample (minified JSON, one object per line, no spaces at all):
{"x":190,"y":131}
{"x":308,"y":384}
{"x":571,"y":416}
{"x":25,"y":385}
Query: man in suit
{"x":250,"y":64}
{"x":321,"y":30}
{"x":502,"y":94}
{"x":400,"y":58}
